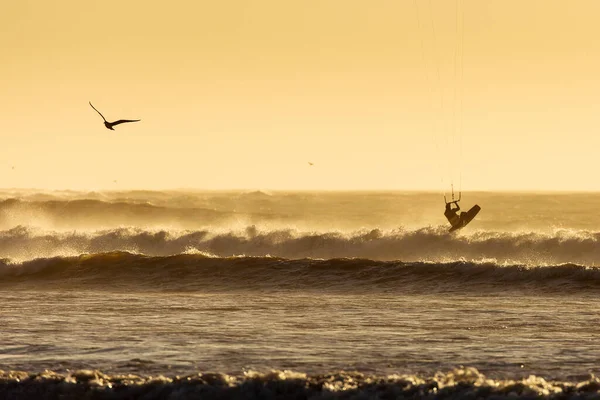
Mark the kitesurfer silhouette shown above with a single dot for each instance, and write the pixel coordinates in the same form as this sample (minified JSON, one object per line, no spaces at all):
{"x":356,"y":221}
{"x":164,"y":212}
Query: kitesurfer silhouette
{"x":450,"y":214}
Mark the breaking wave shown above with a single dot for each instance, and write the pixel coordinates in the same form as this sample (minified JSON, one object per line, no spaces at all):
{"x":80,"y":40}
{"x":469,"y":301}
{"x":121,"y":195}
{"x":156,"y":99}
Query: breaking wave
{"x":426,"y":244}
{"x":463,"y":382}
{"x":201,"y":272}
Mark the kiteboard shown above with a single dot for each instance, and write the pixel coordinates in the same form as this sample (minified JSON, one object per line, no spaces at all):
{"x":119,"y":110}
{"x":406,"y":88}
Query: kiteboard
{"x":464,"y":221}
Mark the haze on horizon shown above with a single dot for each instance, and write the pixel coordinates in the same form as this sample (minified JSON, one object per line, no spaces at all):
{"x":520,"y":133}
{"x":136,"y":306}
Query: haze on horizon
{"x":238,"y":94}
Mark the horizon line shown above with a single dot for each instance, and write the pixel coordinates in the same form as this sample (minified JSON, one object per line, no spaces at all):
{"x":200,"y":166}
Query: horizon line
{"x":345,"y":190}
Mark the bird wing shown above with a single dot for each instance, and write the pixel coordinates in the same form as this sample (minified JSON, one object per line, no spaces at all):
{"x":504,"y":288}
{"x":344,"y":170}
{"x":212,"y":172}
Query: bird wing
{"x":98,"y":112}
{"x":123,"y":121}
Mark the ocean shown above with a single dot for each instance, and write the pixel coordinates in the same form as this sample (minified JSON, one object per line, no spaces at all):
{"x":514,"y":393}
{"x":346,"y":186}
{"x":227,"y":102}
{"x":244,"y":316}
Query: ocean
{"x":256,"y":294}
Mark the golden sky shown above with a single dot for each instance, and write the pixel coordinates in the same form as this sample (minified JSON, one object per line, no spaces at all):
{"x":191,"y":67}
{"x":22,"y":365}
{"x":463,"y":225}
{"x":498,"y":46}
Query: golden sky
{"x":382,"y":94}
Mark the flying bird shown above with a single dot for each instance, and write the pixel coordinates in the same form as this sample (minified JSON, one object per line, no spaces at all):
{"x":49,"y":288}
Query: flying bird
{"x":311,"y":164}
{"x":109,"y":125}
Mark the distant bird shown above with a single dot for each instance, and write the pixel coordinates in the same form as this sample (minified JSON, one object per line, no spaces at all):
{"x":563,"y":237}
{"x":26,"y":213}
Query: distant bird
{"x":109,"y":125}
{"x":311,"y":164}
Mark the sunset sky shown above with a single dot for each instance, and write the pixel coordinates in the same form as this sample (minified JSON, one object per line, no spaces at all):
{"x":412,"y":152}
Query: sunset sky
{"x":243,"y":94}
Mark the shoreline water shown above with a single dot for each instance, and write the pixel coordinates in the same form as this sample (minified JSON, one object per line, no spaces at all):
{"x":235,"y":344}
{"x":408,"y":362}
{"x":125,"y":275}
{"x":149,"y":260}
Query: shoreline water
{"x":459,"y":383}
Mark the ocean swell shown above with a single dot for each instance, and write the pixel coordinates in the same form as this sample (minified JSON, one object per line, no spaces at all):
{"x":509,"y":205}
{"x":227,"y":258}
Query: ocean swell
{"x":198,"y":272}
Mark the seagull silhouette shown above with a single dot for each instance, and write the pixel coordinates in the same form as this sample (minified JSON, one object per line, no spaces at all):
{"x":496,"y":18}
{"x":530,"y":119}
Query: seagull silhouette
{"x":109,"y":125}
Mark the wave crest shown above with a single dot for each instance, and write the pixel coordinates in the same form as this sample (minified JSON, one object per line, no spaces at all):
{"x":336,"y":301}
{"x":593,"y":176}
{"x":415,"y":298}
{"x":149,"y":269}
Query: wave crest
{"x":426,"y":244}
{"x":463,"y":382}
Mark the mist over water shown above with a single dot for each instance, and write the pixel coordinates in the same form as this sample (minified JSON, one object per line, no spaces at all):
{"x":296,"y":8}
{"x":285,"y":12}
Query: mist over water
{"x":308,"y":211}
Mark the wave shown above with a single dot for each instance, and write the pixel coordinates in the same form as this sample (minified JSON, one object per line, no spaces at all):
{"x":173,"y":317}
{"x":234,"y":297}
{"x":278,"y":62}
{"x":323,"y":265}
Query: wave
{"x":426,"y":244}
{"x":156,"y":209}
{"x":200,"y":272}
{"x":459,"y":383}
{"x":92,"y":213}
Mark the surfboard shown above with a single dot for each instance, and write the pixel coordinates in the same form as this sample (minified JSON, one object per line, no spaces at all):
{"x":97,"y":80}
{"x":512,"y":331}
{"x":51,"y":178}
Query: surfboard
{"x":467,"y":218}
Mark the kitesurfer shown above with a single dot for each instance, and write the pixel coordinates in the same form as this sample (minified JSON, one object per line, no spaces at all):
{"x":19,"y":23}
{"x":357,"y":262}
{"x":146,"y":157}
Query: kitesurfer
{"x":451,"y":215}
